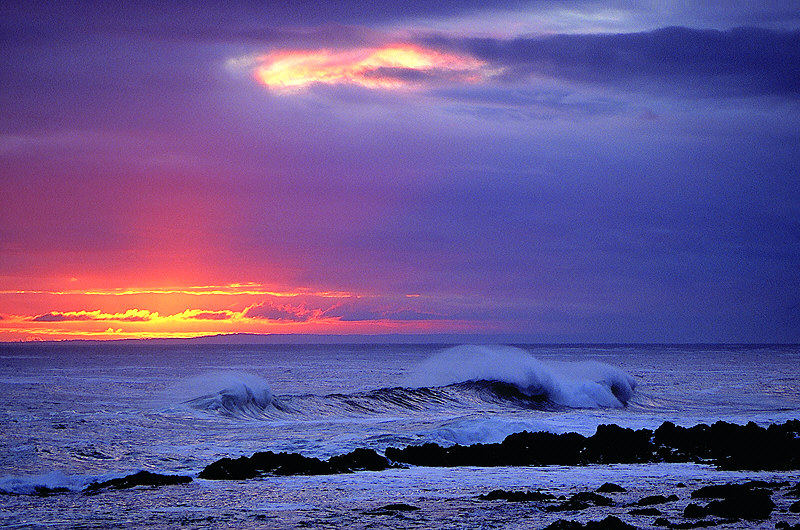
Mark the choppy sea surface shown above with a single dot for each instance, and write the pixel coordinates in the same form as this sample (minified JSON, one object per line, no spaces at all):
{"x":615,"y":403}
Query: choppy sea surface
{"x":76,"y":413}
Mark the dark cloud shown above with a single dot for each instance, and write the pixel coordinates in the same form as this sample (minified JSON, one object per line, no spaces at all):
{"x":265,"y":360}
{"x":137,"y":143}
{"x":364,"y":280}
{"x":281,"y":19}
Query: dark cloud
{"x":58,"y":317}
{"x":80,"y":316}
{"x":210,"y":315}
{"x":355,"y":314}
{"x":284,"y":313}
{"x":675,"y":60}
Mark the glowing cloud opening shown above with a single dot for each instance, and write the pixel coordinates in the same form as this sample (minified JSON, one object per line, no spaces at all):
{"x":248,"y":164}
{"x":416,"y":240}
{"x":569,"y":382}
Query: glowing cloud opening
{"x":390,"y":67}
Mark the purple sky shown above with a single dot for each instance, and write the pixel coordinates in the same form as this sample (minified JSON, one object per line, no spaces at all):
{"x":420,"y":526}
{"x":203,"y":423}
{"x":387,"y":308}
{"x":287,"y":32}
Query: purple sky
{"x":610,"y":172}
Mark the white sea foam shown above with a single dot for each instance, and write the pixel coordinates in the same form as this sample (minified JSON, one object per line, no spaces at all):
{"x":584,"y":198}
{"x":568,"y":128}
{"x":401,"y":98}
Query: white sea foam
{"x":588,"y":384}
{"x":468,"y":431}
{"x":231,"y":393}
{"x":55,"y":481}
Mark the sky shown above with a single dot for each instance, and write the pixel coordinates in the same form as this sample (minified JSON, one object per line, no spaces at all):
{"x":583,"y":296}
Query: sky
{"x":583,"y":171}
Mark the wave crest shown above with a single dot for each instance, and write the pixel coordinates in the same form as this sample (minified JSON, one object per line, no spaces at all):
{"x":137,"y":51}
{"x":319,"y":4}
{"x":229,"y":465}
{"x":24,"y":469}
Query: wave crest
{"x":237,"y":395}
{"x":588,"y":384}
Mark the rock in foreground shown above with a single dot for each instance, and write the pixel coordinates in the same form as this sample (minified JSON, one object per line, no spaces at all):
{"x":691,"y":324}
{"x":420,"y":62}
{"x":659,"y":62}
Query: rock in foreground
{"x":142,"y":478}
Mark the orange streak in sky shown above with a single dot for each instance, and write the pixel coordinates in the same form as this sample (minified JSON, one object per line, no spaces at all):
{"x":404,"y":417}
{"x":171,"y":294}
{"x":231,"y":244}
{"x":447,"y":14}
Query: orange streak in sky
{"x":393,"y":66}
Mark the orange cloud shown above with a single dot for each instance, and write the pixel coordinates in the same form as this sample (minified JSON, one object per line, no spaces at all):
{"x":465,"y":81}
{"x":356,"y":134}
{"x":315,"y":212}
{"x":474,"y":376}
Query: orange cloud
{"x":131,"y":315}
{"x":388,"y":67}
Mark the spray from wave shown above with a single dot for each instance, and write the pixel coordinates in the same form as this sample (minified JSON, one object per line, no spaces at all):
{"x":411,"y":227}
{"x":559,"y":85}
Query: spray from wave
{"x":232,"y":394}
{"x":588,"y":384}
{"x":463,"y":378}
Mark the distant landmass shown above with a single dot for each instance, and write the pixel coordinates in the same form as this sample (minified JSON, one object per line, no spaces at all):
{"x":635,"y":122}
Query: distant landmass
{"x":302,"y":338}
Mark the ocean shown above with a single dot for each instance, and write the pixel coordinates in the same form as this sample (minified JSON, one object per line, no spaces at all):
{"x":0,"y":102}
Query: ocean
{"x":76,"y":413}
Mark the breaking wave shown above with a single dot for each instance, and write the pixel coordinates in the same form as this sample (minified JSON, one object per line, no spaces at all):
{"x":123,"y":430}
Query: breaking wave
{"x":463,"y":378}
{"x":587,"y":384}
{"x":238,"y":395}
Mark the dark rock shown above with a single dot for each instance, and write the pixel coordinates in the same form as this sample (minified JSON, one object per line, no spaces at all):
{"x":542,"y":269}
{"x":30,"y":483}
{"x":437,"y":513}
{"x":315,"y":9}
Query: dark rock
{"x":44,"y":491}
{"x":729,"y":446}
{"x":720,"y":491}
{"x":265,"y":462}
{"x":580,"y":501}
{"x":516,"y":496}
{"x":612,"y":444}
{"x":694,"y":511}
{"x":359,"y":460}
{"x":142,"y":478}
{"x":545,"y":448}
{"x":610,"y":487}
{"x":609,"y":523}
{"x":738,"y":501}
{"x":655,"y":499}
{"x":795,"y":507}
{"x":752,"y":504}
{"x":783,"y":525}
{"x":592,"y":497}
{"x":645,"y":511}
{"x":662,"y":521}
{"x":392,"y":509}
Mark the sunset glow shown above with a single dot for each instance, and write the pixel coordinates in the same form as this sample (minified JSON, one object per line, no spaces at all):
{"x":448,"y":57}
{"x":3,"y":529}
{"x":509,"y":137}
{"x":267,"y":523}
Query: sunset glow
{"x":527,"y":171}
{"x":209,"y":310}
{"x":393,"y":66}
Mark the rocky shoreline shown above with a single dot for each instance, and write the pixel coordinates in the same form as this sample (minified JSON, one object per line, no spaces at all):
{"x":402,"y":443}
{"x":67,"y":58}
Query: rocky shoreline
{"x":724,"y":445}
{"x":753,"y":451}
{"x":727,"y":446}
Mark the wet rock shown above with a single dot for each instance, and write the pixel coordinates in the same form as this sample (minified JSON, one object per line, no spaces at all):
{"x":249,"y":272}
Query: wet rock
{"x":263,"y":463}
{"x":545,"y":448}
{"x":719,"y":491}
{"x":609,"y":523}
{"x":142,"y":478}
{"x":517,"y":496}
{"x":731,"y":446}
{"x":783,"y":525}
{"x":736,"y":503}
{"x":400,"y":507}
{"x":795,"y":507}
{"x":610,"y":487}
{"x":655,"y":499}
{"x":392,"y":509}
{"x":359,"y":460}
{"x":292,"y":464}
{"x":694,"y":511}
{"x":612,"y":444}
{"x":44,"y":491}
{"x":581,"y":501}
{"x":592,"y":497}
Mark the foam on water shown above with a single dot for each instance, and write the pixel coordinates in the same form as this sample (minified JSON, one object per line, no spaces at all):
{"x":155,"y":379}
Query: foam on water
{"x":53,"y":482}
{"x":232,"y":394}
{"x":588,"y":384}
{"x":468,"y":431}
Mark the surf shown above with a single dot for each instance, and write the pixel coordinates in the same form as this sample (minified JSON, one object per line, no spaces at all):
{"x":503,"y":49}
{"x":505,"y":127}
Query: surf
{"x":583,"y":384}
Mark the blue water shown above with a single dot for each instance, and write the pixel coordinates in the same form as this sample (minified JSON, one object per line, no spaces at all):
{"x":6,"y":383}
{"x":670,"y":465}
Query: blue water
{"x":73,"y":413}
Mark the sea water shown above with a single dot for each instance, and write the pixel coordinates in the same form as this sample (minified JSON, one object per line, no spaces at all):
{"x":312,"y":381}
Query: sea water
{"x":75,"y":413}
